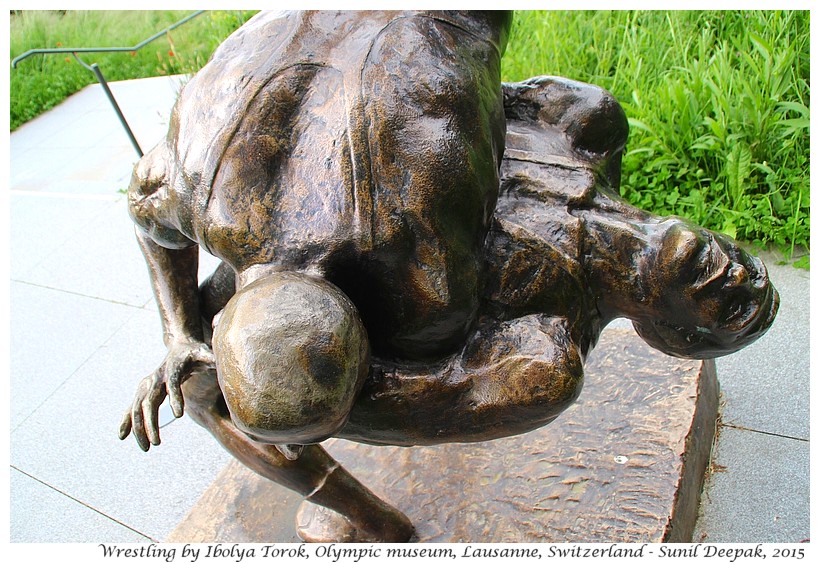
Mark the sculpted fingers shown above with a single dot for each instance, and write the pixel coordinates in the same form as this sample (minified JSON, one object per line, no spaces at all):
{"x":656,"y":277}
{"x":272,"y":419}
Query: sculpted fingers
{"x":174,"y":377}
{"x":142,"y":419}
{"x":125,"y":425}
{"x":180,"y":369}
{"x":138,"y":422}
{"x":150,"y":412}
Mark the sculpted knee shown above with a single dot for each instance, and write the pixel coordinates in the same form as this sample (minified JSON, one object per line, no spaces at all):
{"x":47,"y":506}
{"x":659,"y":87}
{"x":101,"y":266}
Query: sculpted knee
{"x":555,"y":382}
{"x":291,"y":357}
{"x":530,"y":367}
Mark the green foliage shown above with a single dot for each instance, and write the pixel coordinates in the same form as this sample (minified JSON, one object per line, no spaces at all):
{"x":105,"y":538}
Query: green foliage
{"x":718,"y":106}
{"x":42,"y":81}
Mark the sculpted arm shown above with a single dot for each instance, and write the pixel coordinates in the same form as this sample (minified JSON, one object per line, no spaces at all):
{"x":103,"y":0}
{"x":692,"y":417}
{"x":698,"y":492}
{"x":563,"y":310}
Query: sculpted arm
{"x":173,"y":274}
{"x":510,"y":377}
{"x":172,"y":261}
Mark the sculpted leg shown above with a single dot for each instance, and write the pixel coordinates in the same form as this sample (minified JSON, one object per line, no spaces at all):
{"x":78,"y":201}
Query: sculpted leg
{"x":348,"y":511}
{"x":511,"y":377}
{"x":315,"y":475}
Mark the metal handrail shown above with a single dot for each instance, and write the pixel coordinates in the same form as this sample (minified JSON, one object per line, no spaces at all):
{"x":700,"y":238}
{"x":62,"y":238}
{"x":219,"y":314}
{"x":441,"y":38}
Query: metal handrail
{"x":98,"y":73}
{"x":136,"y":47}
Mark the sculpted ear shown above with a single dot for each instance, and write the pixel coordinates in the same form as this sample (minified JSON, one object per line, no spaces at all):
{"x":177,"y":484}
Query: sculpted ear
{"x":588,"y":115}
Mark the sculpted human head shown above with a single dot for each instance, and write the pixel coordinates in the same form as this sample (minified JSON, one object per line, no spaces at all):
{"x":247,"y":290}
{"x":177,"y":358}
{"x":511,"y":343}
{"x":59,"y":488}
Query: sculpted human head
{"x":713,"y":297}
{"x":291,"y":356}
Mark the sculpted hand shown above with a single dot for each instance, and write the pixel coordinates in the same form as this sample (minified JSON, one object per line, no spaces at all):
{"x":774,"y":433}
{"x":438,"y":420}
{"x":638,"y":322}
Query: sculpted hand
{"x":143,"y":416}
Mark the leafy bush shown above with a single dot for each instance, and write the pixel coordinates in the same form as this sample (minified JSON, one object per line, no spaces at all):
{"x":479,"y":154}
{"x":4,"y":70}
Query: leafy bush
{"x":717,"y":104}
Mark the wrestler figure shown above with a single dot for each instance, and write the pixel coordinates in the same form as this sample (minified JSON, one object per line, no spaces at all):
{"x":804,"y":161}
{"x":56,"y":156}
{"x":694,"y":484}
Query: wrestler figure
{"x":359,"y":148}
{"x":371,"y":199}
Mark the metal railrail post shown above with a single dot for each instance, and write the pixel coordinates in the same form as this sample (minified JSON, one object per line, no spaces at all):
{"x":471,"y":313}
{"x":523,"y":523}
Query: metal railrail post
{"x":136,"y":47}
{"x":101,"y":79}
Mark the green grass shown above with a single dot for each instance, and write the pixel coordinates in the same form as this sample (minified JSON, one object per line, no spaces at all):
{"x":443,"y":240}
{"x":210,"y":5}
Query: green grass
{"x":717,"y":101}
{"x":42,"y":81}
{"x":718,"y":104}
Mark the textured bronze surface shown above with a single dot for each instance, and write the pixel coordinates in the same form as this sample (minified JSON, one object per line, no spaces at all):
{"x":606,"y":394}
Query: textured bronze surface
{"x":472,"y":228}
{"x":307,"y":325}
{"x":562,"y":482}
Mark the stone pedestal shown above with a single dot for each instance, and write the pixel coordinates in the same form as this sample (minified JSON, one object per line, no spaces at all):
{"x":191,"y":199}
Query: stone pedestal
{"x":624,"y":464}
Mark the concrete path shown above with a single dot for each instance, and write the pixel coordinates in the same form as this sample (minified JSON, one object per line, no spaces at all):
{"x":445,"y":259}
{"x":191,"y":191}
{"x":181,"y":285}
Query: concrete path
{"x":84,"y":331}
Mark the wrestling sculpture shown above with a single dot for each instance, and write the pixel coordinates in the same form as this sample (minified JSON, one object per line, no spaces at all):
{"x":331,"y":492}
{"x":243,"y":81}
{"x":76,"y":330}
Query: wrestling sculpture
{"x":412,"y":252}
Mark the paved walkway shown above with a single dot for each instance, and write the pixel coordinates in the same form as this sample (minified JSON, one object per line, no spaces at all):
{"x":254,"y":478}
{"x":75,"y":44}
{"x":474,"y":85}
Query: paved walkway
{"x":84,"y":331}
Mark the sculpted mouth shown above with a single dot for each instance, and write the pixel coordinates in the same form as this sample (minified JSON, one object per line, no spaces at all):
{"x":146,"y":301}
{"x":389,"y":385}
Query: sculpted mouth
{"x":771,"y":310}
{"x":770,"y":303}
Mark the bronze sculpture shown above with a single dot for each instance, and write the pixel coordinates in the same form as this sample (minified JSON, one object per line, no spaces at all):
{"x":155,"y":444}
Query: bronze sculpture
{"x":413,"y":253}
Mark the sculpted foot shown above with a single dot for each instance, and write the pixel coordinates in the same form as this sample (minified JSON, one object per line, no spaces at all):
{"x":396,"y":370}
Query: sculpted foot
{"x":317,"y":524}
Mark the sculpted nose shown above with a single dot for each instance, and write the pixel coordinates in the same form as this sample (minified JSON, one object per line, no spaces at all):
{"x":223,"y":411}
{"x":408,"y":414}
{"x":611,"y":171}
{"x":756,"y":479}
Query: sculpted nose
{"x":736,"y":276}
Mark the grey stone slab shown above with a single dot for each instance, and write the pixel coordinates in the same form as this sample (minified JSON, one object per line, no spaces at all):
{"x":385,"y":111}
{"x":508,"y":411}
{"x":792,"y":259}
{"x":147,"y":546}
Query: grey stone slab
{"x":28,"y":170}
{"x":100,"y":190}
{"x":29,"y":135}
{"x":83,"y":132}
{"x":100,"y":259}
{"x":146,"y":105}
{"x":40,"y":514}
{"x":52,"y":334}
{"x":20,"y":152}
{"x":109,"y":162}
{"x":758,"y":492}
{"x":101,"y":155}
{"x":87,"y":116}
{"x":82,"y":245}
{"x":76,"y":110}
{"x":83,"y":457}
{"x":25,"y":168}
{"x":83,"y":140}
{"x":766,"y":386}
{"x":39,"y":224}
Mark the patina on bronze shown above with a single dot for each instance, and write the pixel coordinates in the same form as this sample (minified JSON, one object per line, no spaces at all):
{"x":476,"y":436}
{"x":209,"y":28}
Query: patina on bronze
{"x":412,"y":253}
